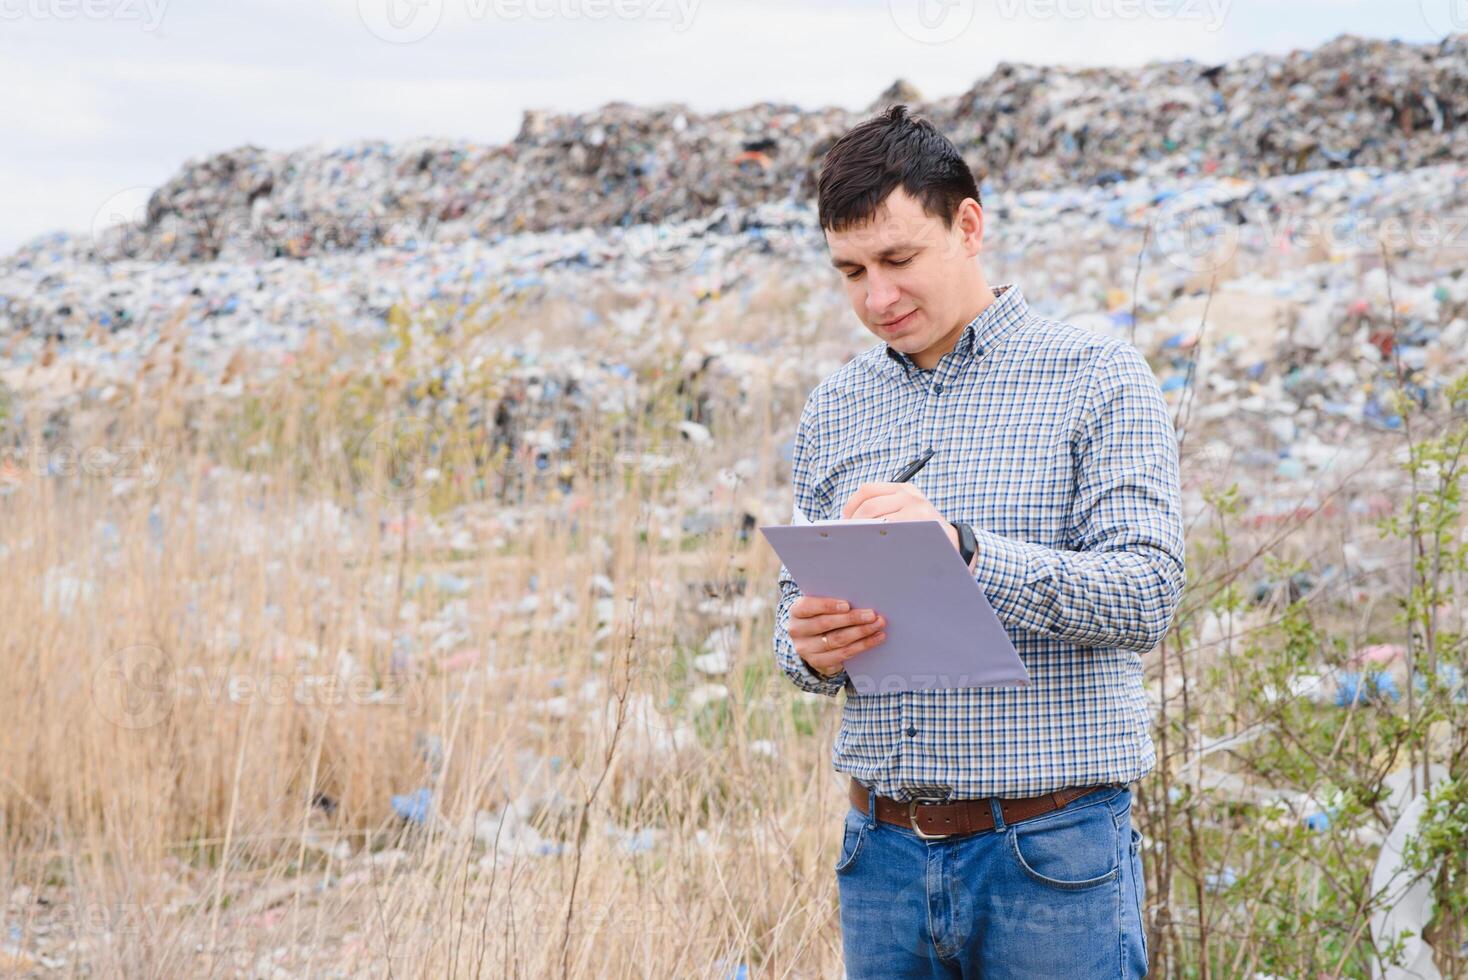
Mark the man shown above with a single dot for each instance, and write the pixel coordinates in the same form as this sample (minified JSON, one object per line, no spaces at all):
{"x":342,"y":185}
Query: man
{"x":1056,"y":463}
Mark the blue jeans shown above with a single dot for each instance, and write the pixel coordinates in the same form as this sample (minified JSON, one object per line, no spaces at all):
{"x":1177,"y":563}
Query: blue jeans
{"x":1059,"y":895}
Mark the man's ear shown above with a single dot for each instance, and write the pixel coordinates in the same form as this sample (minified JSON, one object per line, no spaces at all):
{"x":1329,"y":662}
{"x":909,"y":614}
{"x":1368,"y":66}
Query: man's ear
{"x":972,"y":214}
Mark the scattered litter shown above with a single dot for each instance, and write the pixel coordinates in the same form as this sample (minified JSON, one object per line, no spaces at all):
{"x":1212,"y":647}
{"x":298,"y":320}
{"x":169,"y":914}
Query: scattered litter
{"x":414,"y":807}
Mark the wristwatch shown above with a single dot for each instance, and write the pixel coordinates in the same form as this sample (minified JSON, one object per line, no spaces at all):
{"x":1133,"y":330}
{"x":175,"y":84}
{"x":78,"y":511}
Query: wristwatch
{"x":968,"y":544}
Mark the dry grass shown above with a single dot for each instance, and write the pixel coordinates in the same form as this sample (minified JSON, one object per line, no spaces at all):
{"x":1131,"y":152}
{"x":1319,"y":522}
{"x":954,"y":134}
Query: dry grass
{"x":223,"y":673}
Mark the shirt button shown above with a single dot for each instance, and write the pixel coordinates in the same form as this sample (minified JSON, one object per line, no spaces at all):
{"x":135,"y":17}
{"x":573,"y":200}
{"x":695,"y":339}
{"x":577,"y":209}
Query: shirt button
{"x":938,"y":388}
{"x":911,"y":731}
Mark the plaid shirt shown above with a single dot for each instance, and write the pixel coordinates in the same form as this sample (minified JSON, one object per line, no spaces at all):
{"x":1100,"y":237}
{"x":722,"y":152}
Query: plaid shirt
{"x":1055,"y":444}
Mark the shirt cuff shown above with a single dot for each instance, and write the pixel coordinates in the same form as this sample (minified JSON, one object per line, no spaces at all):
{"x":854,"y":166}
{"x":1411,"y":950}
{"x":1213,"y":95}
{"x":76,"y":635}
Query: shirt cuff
{"x":1005,"y":567}
{"x":832,"y":685}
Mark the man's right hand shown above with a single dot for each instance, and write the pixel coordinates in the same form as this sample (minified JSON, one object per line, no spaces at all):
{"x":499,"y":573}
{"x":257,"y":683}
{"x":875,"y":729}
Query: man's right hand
{"x":828,"y":632}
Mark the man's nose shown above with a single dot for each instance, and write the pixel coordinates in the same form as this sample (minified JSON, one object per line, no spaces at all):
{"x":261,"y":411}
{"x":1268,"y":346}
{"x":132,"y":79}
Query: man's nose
{"x":882,"y":294}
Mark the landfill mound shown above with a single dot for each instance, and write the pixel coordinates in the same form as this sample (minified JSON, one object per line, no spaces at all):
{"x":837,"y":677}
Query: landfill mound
{"x":1281,"y":311}
{"x":1287,"y":312}
{"x":1351,"y":103}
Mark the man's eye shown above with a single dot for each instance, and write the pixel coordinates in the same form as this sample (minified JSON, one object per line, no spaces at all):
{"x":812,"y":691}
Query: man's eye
{"x":853,"y":275}
{"x":903,"y":262}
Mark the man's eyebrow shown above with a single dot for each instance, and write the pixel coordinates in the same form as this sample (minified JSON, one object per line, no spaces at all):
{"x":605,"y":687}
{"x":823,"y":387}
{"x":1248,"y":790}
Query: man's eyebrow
{"x":885,"y":253}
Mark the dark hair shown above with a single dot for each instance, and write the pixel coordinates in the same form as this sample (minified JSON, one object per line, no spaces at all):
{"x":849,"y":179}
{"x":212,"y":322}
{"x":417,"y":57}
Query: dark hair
{"x":874,"y":158}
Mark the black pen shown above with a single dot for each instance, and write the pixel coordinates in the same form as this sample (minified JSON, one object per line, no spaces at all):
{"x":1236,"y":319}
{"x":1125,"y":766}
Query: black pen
{"x":910,"y":470}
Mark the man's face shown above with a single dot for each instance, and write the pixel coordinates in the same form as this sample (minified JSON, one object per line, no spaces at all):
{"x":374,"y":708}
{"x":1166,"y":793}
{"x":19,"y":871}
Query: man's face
{"x":910,"y":280}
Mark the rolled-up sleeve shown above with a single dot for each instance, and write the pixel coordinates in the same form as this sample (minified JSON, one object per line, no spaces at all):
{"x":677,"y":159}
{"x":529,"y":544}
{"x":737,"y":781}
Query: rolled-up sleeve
{"x":800,"y":672}
{"x":1120,"y":587}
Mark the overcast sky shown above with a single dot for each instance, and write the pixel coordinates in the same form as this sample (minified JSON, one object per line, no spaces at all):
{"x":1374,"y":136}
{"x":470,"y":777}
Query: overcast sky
{"x":104,"y":96}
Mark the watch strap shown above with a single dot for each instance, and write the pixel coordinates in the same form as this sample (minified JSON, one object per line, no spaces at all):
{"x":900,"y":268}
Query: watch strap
{"x":968,"y":543}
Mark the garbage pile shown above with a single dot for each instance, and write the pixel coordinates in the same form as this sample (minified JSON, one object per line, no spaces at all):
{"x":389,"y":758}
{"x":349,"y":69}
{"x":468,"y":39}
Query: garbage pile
{"x":1287,"y":250}
{"x":617,"y":166}
{"x":1352,"y":102}
{"x":1349,"y":103}
{"x":1263,"y":303}
{"x":1304,"y":341}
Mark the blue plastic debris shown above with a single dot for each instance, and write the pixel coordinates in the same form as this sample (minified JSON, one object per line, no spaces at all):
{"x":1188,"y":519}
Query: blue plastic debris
{"x":414,"y":807}
{"x":403,"y":649}
{"x":1448,"y":678}
{"x":1217,"y":881}
{"x":1373,"y":412}
{"x":1290,"y":469}
{"x":109,"y":533}
{"x":1377,"y":686}
{"x":444,"y":582}
{"x":736,"y":971}
{"x":643,"y":840}
{"x":451,"y":584}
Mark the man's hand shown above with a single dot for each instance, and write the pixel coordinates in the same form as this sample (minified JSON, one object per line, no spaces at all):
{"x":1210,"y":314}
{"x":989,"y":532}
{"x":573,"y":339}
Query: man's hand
{"x":895,"y":502}
{"x":828,"y":632}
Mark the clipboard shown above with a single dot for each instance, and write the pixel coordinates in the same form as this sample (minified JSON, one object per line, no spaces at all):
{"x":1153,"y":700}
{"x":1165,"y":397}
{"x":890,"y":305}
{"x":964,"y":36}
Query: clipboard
{"x":941,"y":631}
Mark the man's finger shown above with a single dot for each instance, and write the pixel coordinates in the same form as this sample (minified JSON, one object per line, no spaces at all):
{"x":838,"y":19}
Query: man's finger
{"x":850,"y":634}
{"x":864,"y":493}
{"x":812,"y":605}
{"x":883,"y":506}
{"x":816,"y":625}
{"x":828,"y":660}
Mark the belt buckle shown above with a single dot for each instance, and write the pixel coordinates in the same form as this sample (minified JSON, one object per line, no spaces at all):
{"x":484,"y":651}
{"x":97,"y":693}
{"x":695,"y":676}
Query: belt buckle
{"x":912,"y":819}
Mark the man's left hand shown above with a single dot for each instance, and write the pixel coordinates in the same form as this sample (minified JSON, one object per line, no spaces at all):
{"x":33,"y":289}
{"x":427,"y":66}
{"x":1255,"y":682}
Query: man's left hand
{"x":895,"y":502}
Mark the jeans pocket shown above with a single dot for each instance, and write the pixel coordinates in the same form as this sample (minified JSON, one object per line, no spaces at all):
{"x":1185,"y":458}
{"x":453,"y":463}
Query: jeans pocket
{"x":1069,"y":850}
{"x":853,"y":833}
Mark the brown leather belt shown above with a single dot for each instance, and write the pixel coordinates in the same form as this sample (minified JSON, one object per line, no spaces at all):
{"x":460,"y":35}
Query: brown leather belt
{"x":932,"y":821}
